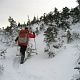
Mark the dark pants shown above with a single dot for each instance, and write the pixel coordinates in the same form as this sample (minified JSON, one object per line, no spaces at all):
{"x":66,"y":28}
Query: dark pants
{"x":22,"y":51}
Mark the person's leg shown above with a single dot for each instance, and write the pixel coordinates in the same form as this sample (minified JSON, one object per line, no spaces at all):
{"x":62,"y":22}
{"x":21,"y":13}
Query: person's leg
{"x":22,"y":50}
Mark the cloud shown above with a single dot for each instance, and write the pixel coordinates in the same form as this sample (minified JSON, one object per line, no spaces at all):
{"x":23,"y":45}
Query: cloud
{"x":19,"y":9}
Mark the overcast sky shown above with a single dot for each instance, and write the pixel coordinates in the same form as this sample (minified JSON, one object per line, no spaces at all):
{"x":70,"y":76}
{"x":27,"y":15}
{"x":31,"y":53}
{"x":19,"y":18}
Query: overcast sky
{"x":20,"y":9}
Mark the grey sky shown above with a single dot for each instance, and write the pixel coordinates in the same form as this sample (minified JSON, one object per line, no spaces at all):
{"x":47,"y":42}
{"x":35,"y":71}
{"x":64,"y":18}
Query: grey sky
{"x":20,"y":9}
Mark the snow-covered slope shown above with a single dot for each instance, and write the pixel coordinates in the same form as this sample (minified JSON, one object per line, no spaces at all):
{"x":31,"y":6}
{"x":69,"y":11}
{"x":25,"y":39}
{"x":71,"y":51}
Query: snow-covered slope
{"x":40,"y":67}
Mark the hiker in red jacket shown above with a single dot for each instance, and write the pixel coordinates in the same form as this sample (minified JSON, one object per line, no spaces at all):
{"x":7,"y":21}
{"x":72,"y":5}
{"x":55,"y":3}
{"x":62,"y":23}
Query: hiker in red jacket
{"x":22,"y":39}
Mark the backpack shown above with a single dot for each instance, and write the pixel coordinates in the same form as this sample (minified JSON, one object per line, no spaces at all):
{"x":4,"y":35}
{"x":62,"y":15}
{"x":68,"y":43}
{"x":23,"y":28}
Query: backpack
{"x":23,"y":36}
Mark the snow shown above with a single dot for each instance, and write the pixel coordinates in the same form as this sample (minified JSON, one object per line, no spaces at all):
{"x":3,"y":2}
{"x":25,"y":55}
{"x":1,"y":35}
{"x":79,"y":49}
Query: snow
{"x":40,"y":66}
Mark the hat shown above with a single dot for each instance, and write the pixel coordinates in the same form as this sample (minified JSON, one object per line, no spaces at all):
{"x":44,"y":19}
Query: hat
{"x":26,"y":27}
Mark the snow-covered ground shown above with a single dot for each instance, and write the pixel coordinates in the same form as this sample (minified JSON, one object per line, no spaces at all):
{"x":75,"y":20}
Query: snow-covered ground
{"x":41,"y":67}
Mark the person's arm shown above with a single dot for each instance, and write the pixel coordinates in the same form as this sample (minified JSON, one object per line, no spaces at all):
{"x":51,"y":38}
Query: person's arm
{"x":30,"y":35}
{"x":16,"y":39}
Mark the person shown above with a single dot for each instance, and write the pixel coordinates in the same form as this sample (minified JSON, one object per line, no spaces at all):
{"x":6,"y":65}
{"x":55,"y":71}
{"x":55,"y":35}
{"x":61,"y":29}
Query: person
{"x":68,"y":36}
{"x":23,"y":46}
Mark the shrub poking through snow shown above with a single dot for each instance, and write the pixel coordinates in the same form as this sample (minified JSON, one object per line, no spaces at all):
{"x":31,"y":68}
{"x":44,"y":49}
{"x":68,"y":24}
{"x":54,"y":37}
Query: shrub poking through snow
{"x":2,"y":52}
{"x":1,"y":69}
{"x":51,"y":54}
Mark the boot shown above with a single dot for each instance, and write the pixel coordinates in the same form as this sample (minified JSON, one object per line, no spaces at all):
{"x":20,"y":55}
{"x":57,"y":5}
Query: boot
{"x":22,"y":60}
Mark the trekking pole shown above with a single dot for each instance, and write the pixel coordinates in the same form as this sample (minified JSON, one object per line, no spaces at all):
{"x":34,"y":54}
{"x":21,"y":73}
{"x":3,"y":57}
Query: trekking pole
{"x":35,"y":46}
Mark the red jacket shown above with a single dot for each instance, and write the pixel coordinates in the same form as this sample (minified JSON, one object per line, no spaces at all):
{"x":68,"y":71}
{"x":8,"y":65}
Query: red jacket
{"x":30,"y":35}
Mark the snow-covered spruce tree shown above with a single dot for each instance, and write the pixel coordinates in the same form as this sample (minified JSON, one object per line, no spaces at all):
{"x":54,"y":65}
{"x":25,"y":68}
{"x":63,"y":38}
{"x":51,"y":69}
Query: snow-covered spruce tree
{"x":78,"y":1}
{"x":51,"y":34}
{"x":50,"y":17}
{"x":69,"y":37}
{"x":37,"y":20}
{"x":75,"y":15}
{"x":64,"y":25}
{"x":37,"y":31}
{"x":33,"y":21}
{"x":64,"y":16}
{"x":10,"y":32}
{"x":65,"y":13}
{"x":13,"y":24}
{"x":56,"y":17}
{"x":7,"y":29}
{"x":28,"y":22}
{"x":41,"y":27}
{"x":45,"y":19}
{"x":19,"y":24}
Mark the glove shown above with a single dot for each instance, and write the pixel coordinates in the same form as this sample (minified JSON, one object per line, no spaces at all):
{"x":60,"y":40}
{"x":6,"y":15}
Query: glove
{"x":16,"y":39}
{"x":33,"y":33}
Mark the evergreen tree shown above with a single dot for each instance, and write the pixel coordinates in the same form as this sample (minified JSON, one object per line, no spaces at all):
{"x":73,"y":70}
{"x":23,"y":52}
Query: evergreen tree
{"x":7,"y":29}
{"x":64,"y":16}
{"x":41,"y":18}
{"x":19,"y":24}
{"x":41,"y":27}
{"x":50,"y":17}
{"x":78,"y":2}
{"x":28,"y":22}
{"x":37,"y":31}
{"x":56,"y":17}
{"x":51,"y":34}
{"x":68,"y":37}
{"x":75,"y":15}
{"x":37,"y":20}
{"x":12,"y":22}
{"x":12,"y":26}
{"x":45,"y":18}
{"x":34,"y":20}
{"x":65,"y":13}
{"x":64,"y":25}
